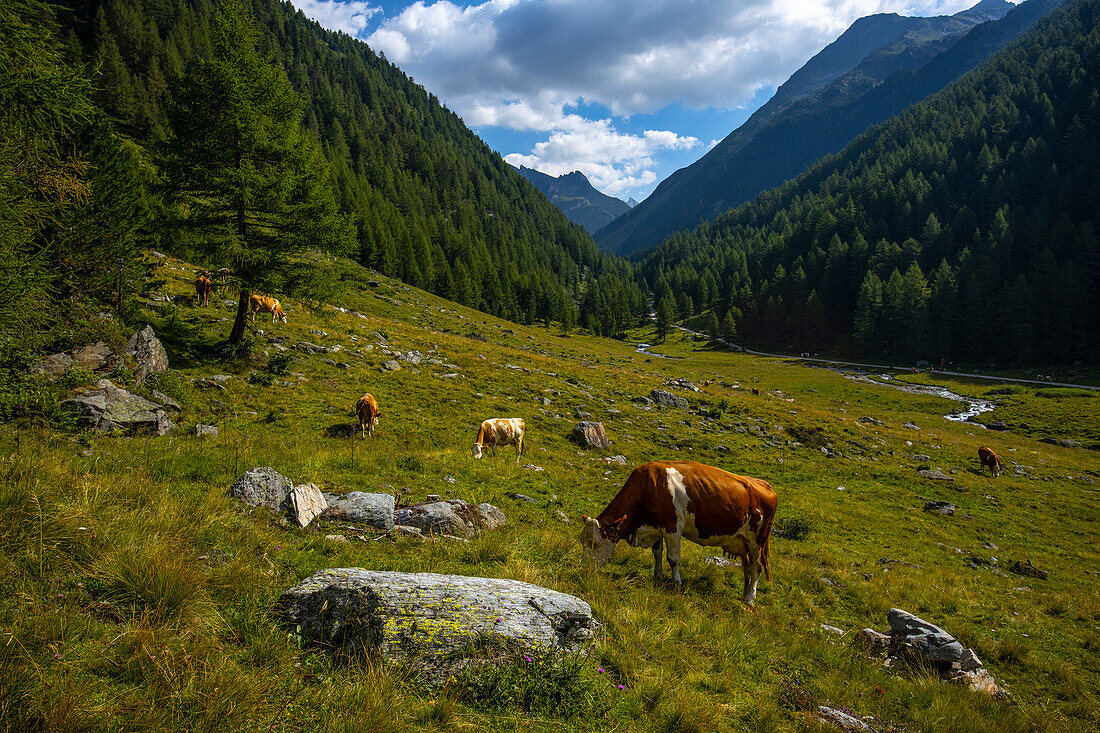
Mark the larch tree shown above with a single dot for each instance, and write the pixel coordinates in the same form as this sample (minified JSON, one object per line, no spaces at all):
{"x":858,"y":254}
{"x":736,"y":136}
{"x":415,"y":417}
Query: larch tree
{"x":248,"y":181}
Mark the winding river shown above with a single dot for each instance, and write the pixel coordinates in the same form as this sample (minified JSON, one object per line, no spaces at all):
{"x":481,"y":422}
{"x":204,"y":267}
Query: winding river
{"x":974,"y":406}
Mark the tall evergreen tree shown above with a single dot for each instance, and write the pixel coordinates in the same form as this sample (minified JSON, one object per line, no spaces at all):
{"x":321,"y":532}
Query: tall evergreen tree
{"x":248,"y":180}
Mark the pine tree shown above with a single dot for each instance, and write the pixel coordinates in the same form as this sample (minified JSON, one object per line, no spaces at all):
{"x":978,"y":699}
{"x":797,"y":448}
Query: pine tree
{"x":665,"y":315}
{"x":249,"y":182}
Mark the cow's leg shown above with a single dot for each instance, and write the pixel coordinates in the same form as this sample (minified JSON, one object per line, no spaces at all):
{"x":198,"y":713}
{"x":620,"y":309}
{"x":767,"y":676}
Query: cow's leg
{"x":750,"y":563}
{"x":519,"y":449}
{"x":658,"y":564}
{"x":672,"y":545}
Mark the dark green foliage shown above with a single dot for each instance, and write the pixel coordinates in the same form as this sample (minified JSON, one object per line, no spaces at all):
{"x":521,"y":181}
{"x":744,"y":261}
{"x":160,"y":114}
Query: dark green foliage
{"x":428,"y":201}
{"x":248,"y":181}
{"x":792,"y":528}
{"x":964,"y":228}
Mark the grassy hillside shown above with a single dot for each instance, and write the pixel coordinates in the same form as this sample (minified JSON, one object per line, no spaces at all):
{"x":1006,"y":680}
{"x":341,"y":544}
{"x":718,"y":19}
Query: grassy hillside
{"x":136,"y":595}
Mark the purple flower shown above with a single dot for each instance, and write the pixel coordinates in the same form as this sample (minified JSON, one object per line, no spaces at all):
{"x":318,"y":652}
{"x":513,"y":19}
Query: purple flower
{"x":527,"y":658}
{"x":278,"y":547}
{"x":601,"y":670}
{"x":622,"y":687}
{"x":499,"y":620}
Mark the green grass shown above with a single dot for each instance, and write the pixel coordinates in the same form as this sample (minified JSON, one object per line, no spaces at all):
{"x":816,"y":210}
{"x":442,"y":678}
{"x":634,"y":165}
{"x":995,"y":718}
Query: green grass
{"x":136,"y":595}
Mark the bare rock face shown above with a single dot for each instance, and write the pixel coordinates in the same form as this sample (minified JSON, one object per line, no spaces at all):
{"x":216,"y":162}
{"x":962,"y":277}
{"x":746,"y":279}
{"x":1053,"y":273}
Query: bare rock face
{"x":94,"y":357}
{"x":426,"y":616}
{"x":306,"y":504}
{"x":590,"y":435}
{"x":263,"y":486}
{"x":148,"y":354}
{"x":871,"y":641}
{"x":373,"y":510}
{"x":107,"y":408}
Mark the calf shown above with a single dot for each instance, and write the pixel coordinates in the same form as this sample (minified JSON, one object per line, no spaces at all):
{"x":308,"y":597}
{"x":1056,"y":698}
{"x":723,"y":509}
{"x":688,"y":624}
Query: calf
{"x":986,"y":457}
{"x":500,"y":431}
{"x":267,"y":305}
{"x":673,"y":500}
{"x":366,"y":407}
{"x":203,"y":286}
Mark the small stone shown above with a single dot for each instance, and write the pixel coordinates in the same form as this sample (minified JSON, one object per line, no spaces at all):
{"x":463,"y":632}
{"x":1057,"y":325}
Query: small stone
{"x":935,"y":475}
{"x":561,"y":516}
{"x":939,"y":507}
{"x":717,"y":561}
{"x":832,"y":629}
{"x":391,"y":365}
{"x":204,"y":431}
{"x":841,"y":720}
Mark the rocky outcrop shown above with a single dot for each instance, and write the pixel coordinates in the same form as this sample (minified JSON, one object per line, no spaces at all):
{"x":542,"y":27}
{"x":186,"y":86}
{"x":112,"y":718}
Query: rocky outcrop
{"x":945,"y":508}
{"x":667,"y":399}
{"x":926,"y":640}
{"x":450,"y":517}
{"x":589,"y":434}
{"x":148,"y":354}
{"x":107,"y":408}
{"x":263,"y":486}
{"x":95,"y":357}
{"x":373,"y":510}
{"x":427,"y":616}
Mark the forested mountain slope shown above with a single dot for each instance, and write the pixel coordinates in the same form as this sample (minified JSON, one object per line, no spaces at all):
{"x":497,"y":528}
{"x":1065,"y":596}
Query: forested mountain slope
{"x":963,"y":228}
{"x":430,"y":202}
{"x":802,"y":122}
{"x":574,"y":195}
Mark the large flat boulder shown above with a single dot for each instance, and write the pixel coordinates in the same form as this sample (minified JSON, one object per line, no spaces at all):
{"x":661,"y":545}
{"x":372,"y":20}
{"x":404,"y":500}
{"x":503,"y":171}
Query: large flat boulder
{"x":924,"y":638}
{"x":425,"y":615}
{"x":664,"y":398}
{"x":588,"y":434}
{"x":108,"y":407}
{"x":451,"y":517}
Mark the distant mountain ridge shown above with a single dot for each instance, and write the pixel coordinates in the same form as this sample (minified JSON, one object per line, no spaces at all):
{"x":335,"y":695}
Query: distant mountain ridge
{"x":825,"y":92}
{"x":577,"y":198}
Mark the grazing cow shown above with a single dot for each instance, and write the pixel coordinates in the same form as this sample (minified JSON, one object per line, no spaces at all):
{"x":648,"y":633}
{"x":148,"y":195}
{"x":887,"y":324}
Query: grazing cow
{"x":755,"y":391}
{"x":366,"y":407}
{"x":267,"y":305}
{"x":203,"y":286}
{"x":500,"y":431}
{"x":675,"y":500}
{"x":986,"y":457}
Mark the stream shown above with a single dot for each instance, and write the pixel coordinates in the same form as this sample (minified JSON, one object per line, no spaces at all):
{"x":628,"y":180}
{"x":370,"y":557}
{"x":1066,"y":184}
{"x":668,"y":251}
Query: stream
{"x":974,"y":406}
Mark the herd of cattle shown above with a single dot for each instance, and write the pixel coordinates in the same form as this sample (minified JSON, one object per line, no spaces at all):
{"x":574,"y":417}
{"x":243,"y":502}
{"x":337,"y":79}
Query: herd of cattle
{"x":204,"y":286}
{"x":661,"y":503}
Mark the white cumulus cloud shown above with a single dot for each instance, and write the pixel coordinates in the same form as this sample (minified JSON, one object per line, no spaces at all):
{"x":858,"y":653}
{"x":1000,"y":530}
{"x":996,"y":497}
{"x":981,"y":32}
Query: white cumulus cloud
{"x":350,"y":17}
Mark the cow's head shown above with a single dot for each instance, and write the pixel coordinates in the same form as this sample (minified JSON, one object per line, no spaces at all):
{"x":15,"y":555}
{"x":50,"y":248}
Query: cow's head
{"x":278,"y":312}
{"x":599,"y":539}
{"x":477,"y":450}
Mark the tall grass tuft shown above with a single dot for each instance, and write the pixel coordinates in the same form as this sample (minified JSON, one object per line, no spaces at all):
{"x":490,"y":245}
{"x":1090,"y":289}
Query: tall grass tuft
{"x":156,"y":581}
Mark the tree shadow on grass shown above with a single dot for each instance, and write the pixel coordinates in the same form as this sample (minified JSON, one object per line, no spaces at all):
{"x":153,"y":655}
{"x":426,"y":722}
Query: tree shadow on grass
{"x":342,"y":430}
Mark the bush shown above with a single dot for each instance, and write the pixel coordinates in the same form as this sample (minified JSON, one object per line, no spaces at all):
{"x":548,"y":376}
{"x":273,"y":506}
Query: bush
{"x":792,"y":528}
{"x":277,"y":366}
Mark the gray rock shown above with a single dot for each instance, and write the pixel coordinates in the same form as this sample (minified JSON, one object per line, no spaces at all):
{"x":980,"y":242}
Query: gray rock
{"x":108,"y":408}
{"x":373,"y":510}
{"x":871,"y":421}
{"x":544,"y":401}
{"x":979,"y":680}
{"x":616,"y":460}
{"x":95,"y":357}
{"x":997,"y":425}
{"x":309,"y":348}
{"x":148,"y":354}
{"x":925,"y":639}
{"x":939,"y":507}
{"x":203,"y":431}
{"x":1027,"y":569}
{"x":391,"y":365}
{"x":306,"y":504}
{"x":582,"y":415}
{"x":451,"y":517}
{"x":427,"y":616}
{"x":841,"y":720}
{"x":1064,"y":442}
{"x":831,"y":629}
{"x":970,"y":661}
{"x":717,"y":561}
{"x":165,"y":400}
{"x":53,"y":366}
{"x":871,"y":641}
{"x":263,"y":486}
{"x":524,"y":497}
{"x":667,"y":399}
{"x":561,"y":516}
{"x":934,"y":475}
{"x":413,"y":357}
{"x":912,"y":426}
{"x":682,"y":383}
{"x":590,"y":435}
{"x":642,"y":400}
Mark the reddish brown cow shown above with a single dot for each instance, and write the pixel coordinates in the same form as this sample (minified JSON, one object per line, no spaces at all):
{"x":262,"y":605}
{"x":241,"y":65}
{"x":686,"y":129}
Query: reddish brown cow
{"x":366,"y":407}
{"x":203,"y":286}
{"x":267,"y":304}
{"x":986,"y":457}
{"x":674,"y":500}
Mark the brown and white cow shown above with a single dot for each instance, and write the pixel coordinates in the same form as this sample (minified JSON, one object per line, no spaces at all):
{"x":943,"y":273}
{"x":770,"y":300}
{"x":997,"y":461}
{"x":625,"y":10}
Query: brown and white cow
{"x":986,"y":457}
{"x":203,"y":286}
{"x":366,"y":407}
{"x":677,"y":500}
{"x":500,"y":431}
{"x":266,"y":304}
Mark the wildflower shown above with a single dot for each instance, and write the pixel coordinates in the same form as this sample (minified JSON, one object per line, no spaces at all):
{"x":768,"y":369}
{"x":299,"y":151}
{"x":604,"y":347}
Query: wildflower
{"x":527,"y":658}
{"x":601,"y":670}
{"x":499,"y":619}
{"x":278,"y":547}
{"x":622,"y":687}
{"x":56,"y":656}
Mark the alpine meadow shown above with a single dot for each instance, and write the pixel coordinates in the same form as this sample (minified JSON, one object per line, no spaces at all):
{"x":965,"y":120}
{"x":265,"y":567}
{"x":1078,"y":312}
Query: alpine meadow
{"x":316,"y":414}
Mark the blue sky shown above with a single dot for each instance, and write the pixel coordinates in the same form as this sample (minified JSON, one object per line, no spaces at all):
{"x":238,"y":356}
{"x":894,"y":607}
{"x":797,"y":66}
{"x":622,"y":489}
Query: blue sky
{"x":626,"y":91}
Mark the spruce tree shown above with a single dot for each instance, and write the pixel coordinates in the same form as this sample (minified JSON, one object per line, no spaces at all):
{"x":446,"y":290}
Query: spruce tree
{"x":248,"y":180}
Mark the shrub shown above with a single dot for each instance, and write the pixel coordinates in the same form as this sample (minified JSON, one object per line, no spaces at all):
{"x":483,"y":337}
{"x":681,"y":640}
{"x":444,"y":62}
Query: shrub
{"x":792,"y":528}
